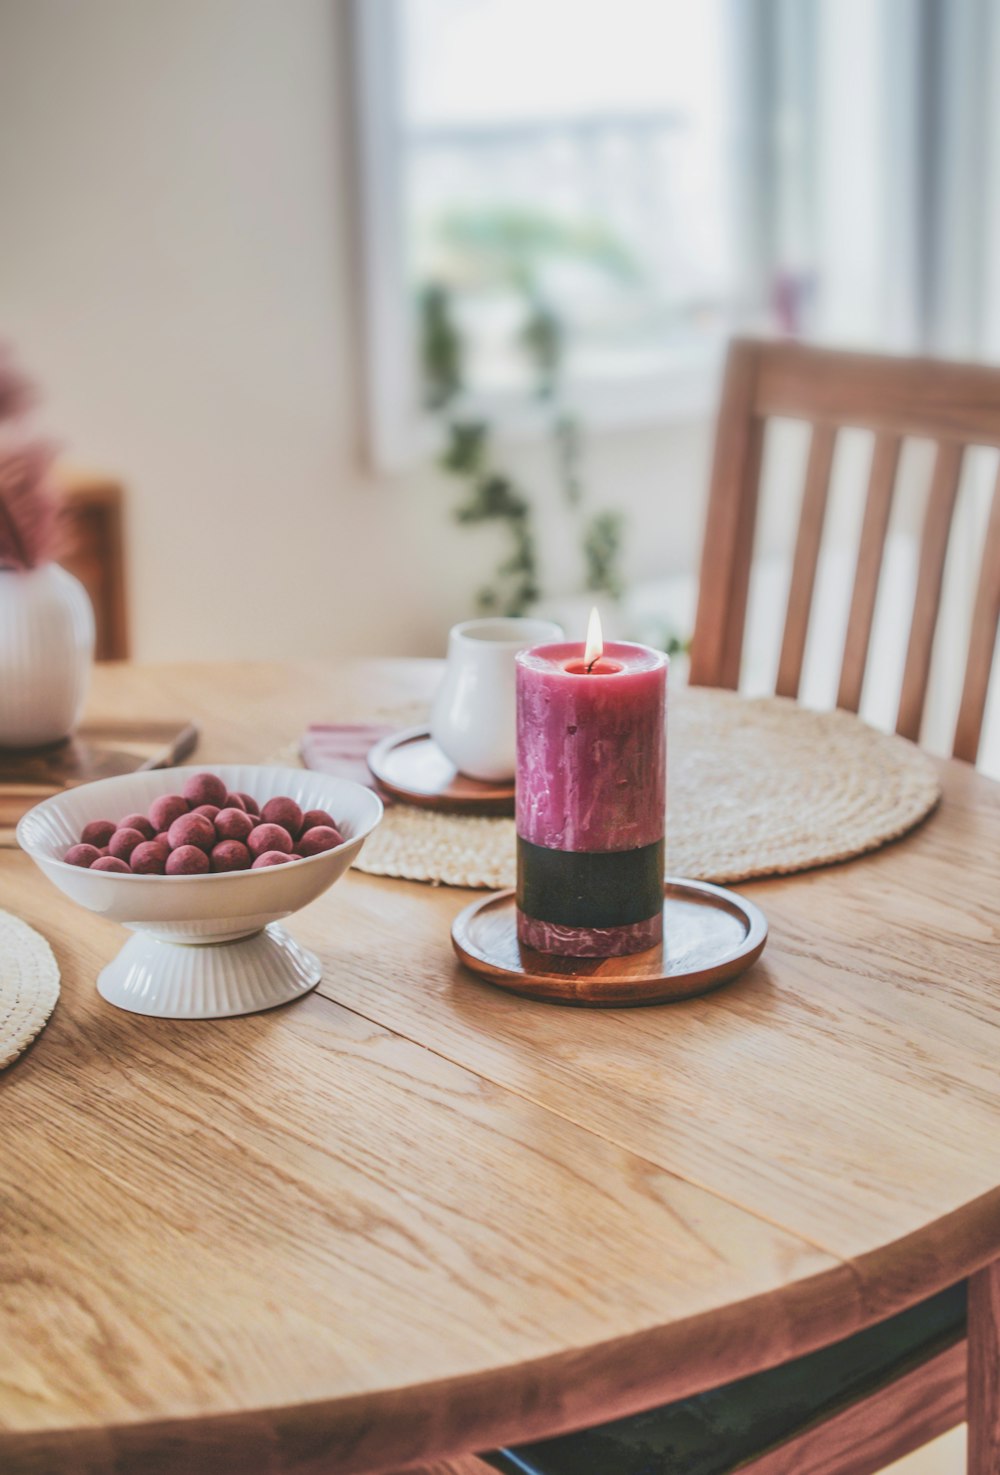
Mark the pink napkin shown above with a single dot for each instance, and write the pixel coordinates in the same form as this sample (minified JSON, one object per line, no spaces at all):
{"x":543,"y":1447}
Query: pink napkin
{"x":342,"y":749}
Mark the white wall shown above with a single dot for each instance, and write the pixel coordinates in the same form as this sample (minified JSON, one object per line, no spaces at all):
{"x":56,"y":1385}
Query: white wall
{"x":178,"y":267}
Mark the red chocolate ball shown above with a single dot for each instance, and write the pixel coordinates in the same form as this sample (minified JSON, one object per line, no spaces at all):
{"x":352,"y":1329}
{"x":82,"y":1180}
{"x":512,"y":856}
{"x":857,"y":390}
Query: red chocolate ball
{"x":233,"y":824}
{"x":272,"y":858}
{"x":163,"y":811}
{"x":162,"y":835}
{"x":98,"y":832}
{"x":249,"y":802}
{"x":208,"y":810}
{"x":269,"y":837}
{"x":111,"y":863}
{"x":318,"y":839}
{"x":149,"y":858}
{"x":234,"y":801}
{"x":205,"y":788}
{"x":82,"y":855}
{"x":192,"y":829}
{"x":137,"y":822}
{"x":123,"y":842}
{"x":314,"y":817}
{"x":187,"y":860}
{"x":285,"y":812}
{"x":230,"y":855}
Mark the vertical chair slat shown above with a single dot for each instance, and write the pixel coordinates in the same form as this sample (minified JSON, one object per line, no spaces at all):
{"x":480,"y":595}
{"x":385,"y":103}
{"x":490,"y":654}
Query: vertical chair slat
{"x":930,"y":575}
{"x":983,"y":1400}
{"x":881,"y":486}
{"x":728,"y":541}
{"x":982,"y":643}
{"x":739,"y":584}
{"x":800,"y":593}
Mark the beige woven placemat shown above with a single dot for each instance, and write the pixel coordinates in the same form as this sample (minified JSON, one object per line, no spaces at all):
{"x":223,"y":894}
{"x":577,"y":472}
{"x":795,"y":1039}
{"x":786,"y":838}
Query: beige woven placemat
{"x":29,"y":986}
{"x":756,"y":787}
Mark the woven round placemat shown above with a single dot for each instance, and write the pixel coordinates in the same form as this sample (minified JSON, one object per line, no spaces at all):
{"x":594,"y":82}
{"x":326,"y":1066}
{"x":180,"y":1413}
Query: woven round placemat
{"x":29,"y":986}
{"x":756,"y":788}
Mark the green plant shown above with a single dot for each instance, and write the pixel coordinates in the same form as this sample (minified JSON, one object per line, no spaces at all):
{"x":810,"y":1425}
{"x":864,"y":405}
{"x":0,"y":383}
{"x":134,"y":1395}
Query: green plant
{"x":490,"y":494}
{"x":509,"y":249}
{"x":602,"y":541}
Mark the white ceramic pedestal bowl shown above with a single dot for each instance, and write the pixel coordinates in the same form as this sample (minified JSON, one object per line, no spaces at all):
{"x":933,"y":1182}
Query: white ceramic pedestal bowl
{"x":205,"y":946}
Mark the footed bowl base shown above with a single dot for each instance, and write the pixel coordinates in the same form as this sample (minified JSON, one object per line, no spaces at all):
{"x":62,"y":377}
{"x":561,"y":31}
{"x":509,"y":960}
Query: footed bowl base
{"x":209,"y":980}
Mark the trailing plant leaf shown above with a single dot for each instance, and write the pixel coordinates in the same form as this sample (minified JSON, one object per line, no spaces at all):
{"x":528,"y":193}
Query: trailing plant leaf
{"x":542,"y":336}
{"x":602,"y":541}
{"x":566,"y":434}
{"x":492,"y":496}
{"x":27,"y":505}
{"x":465,"y":450}
{"x":441,"y":347}
{"x":509,"y":248}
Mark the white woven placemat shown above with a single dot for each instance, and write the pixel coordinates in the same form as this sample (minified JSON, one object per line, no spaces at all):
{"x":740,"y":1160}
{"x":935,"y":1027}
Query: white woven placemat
{"x":29,"y":986}
{"x":756,"y":787}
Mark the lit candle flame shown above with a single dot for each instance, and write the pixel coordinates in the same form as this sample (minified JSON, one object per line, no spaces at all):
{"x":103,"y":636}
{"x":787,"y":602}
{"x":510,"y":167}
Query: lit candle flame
{"x":595,"y":639}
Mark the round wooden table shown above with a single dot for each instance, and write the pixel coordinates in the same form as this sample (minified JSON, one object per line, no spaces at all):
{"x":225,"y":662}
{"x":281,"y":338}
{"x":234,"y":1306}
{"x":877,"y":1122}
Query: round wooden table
{"x":413,"y":1215}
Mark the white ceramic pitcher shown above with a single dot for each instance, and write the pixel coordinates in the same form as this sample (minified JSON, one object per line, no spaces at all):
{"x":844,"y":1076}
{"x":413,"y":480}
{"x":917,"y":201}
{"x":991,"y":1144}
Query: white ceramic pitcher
{"x":473,"y":717}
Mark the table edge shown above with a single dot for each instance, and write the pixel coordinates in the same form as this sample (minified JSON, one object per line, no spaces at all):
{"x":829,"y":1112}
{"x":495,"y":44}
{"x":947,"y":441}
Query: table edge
{"x":365,"y":1433}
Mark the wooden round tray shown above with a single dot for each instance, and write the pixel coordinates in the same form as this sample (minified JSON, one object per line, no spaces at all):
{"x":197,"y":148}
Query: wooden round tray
{"x":709,"y":936}
{"x":410,"y":766}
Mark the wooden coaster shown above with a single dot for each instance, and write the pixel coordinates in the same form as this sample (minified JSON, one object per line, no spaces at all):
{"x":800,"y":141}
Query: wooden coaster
{"x":710,"y":935}
{"x":96,"y":750}
{"x":411,"y":767}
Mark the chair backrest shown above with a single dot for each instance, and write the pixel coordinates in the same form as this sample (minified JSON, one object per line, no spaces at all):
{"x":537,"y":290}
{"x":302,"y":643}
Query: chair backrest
{"x":94,"y":550}
{"x":954,"y":405}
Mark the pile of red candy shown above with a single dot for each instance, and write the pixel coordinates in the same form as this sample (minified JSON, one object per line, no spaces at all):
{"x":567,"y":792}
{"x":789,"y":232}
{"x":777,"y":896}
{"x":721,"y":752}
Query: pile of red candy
{"x":204,"y":828}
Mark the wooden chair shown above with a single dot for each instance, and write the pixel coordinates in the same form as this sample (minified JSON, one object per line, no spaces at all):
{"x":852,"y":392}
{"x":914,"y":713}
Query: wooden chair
{"x":854,"y":1407}
{"x":92,"y":519}
{"x":955,"y":405}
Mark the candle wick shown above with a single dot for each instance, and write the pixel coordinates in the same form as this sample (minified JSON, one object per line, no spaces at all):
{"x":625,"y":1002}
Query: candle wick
{"x":592,"y":664}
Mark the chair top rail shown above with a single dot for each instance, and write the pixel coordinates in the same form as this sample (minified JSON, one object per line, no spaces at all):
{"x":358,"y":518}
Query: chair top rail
{"x":918,"y":397}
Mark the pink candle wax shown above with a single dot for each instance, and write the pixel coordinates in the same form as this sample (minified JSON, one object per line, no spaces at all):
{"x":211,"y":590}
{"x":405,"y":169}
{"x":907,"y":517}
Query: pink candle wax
{"x":591,"y":798}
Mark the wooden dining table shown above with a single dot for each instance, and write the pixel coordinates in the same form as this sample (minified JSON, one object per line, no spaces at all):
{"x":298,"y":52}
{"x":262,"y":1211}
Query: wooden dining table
{"x":411,"y":1215}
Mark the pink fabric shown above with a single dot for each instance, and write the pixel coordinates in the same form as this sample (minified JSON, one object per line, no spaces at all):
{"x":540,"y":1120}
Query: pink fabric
{"x":342,"y":749}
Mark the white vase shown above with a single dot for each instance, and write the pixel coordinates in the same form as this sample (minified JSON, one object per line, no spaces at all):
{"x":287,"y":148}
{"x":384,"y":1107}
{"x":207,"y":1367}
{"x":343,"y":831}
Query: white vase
{"x":46,"y":650}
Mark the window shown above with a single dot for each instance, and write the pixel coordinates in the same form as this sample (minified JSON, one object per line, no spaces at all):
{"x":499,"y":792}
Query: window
{"x":557,"y":176}
{"x":622,"y":183}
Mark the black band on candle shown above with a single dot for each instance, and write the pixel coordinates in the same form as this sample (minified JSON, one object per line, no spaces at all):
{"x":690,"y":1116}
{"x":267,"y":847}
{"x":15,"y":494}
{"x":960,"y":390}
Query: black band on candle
{"x":581,"y":888}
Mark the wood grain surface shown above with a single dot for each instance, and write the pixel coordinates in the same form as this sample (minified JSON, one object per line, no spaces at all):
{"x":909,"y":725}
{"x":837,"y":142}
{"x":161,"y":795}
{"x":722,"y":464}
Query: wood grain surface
{"x":878,"y":507}
{"x":805,"y":560}
{"x":413,"y":1216}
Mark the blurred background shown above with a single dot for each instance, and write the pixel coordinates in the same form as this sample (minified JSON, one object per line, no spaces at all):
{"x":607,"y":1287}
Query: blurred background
{"x":388,"y":312}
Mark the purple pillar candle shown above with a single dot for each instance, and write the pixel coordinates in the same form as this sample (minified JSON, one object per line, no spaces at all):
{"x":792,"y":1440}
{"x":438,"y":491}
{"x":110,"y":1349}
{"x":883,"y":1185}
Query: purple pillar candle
{"x":591,"y":799}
